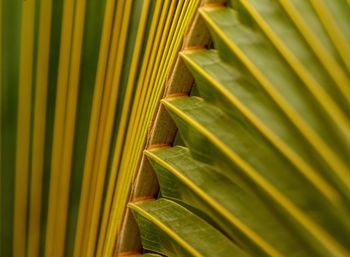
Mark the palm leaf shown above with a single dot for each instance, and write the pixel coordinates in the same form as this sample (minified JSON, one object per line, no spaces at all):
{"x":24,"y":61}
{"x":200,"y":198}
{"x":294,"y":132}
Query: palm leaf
{"x":221,"y":202}
{"x":169,"y":230}
{"x":248,"y":127}
{"x":229,"y":88}
{"x":249,"y":147}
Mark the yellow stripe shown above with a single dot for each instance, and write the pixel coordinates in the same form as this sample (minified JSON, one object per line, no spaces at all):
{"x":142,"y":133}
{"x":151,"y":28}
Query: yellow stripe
{"x":155,"y":94}
{"x":322,"y":148}
{"x":94,"y":126}
{"x":328,"y":62}
{"x":39,"y":128}
{"x":192,"y":10}
{"x":318,"y":233}
{"x":68,"y":140}
{"x":193,"y":252}
{"x":116,"y":80}
{"x":129,"y":88}
{"x":59,"y":122}
{"x":107,"y":135}
{"x":111,"y":94}
{"x":235,"y":221}
{"x":333,"y":30}
{"x":23,"y":128}
{"x":109,"y":80}
{"x":151,"y":88}
{"x":130,"y":153}
{"x":152,"y":96}
{"x":329,"y":106}
{"x":113,"y":174}
{"x":115,"y":218}
{"x":129,"y":163}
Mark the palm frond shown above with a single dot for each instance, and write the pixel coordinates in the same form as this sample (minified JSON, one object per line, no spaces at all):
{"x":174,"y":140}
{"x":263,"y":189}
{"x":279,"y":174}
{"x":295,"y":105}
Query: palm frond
{"x":247,"y":154}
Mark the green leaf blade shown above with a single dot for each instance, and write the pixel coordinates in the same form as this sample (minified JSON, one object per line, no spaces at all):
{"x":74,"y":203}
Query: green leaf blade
{"x":174,"y":231}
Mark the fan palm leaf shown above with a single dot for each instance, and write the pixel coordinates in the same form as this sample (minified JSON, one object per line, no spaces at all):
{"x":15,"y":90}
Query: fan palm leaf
{"x":246,"y":154}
